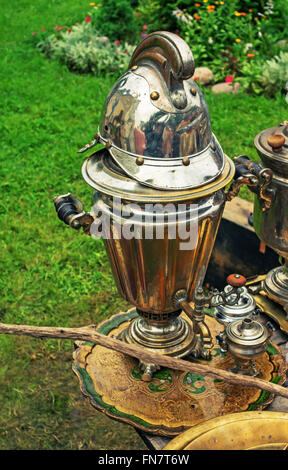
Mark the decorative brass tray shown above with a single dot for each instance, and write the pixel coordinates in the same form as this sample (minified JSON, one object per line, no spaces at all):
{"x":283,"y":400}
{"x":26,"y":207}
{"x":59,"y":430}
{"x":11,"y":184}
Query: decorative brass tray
{"x":174,"y":400}
{"x":252,"y":430}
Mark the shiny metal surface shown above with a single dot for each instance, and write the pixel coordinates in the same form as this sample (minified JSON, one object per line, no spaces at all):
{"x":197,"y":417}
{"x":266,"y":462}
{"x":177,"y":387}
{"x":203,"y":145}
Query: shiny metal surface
{"x":175,"y":338}
{"x":245,"y":307}
{"x":157,"y":112}
{"x":249,"y":430}
{"x":246,"y":338}
{"x":104,"y":176}
{"x":272,"y":226}
{"x":276,"y":286}
{"x":159,"y":148}
{"x":149,"y":271}
{"x":276,"y":160}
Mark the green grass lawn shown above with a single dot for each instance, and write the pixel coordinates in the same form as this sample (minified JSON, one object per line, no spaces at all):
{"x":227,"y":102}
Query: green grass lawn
{"x":50,"y":274}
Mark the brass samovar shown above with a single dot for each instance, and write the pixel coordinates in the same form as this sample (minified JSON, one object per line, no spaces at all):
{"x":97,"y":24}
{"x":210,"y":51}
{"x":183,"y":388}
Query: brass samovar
{"x":160,"y":154}
{"x":160,"y":186}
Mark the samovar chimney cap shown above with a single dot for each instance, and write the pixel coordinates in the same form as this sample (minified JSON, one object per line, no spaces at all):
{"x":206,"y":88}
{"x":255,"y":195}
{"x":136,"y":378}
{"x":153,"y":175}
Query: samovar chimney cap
{"x":156,"y":119}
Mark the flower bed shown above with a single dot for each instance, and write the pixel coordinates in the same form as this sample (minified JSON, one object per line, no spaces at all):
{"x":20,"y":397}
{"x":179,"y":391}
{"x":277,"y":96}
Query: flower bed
{"x":241,"y":39}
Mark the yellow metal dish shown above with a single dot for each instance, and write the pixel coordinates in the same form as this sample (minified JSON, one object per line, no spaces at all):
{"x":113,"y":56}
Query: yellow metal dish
{"x":251,"y":430}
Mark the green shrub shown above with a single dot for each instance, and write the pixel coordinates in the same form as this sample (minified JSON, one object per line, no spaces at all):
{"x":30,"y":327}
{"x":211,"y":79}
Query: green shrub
{"x":274,"y":76}
{"x":266,"y":77}
{"x":156,"y":15}
{"x":251,"y":77}
{"x":219,"y":33}
{"x":232,"y":37}
{"x":115,"y":19}
{"x":81,"y":50}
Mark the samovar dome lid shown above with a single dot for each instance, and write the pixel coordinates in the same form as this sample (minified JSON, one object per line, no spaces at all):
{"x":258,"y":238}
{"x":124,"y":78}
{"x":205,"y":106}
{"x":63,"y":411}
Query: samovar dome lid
{"x":156,"y":123}
{"x":247,"y":332}
{"x":272,"y":147}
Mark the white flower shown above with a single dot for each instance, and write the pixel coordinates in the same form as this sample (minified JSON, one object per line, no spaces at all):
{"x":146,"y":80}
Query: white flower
{"x":182,"y":17}
{"x":248,"y":46}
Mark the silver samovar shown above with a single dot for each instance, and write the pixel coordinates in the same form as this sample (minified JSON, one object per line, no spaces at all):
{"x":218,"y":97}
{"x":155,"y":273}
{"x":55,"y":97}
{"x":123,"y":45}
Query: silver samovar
{"x":162,"y":161}
{"x":272,"y":226}
{"x":270,"y":215}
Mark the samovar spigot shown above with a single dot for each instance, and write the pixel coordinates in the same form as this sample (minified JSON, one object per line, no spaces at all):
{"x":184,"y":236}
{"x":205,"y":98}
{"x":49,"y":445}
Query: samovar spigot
{"x":197,"y":315}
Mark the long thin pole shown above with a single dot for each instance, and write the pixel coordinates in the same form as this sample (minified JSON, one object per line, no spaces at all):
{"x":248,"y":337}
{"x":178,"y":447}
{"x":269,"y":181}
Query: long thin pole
{"x":90,"y":334}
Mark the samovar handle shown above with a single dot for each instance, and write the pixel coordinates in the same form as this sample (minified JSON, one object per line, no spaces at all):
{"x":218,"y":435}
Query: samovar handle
{"x":256,"y":178}
{"x":70,"y":210}
{"x":172,"y":57}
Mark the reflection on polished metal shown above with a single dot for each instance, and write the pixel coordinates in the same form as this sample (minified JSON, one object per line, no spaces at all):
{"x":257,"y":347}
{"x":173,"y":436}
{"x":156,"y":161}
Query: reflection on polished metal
{"x":272,"y":226}
{"x":158,"y":112}
{"x":249,"y":430}
{"x":276,"y":285}
{"x":268,"y":180}
{"x":159,"y":148}
{"x":149,"y":272}
{"x":245,"y":340}
{"x":234,"y":309}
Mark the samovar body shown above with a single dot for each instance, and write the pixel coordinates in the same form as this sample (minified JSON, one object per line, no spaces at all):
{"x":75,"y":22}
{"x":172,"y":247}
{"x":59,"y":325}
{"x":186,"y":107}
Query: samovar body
{"x":159,"y":195}
{"x":271,"y":225}
{"x":150,"y":267}
{"x":160,"y":185}
{"x":269,"y":181}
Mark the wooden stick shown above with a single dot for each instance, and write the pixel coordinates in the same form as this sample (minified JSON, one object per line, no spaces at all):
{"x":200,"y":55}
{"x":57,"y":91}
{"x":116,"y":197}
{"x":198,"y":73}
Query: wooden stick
{"x":90,"y":334}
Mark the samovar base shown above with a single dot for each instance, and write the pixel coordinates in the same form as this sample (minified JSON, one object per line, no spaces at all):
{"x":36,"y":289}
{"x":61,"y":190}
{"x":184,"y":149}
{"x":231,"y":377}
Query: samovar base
{"x":168,"y":334}
{"x":245,"y":367}
{"x":173,"y":400}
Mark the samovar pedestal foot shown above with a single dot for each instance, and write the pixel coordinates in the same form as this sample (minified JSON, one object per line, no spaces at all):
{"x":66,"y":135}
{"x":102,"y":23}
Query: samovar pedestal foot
{"x":166,"y":334}
{"x":245,"y":367}
{"x":148,"y":370}
{"x":198,"y":352}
